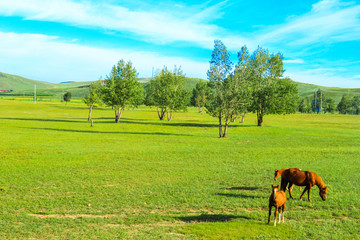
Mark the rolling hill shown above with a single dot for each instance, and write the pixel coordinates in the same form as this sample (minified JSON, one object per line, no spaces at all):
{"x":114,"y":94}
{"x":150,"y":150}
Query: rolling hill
{"x":17,"y":83}
{"x":307,"y":90}
{"x":25,"y":86}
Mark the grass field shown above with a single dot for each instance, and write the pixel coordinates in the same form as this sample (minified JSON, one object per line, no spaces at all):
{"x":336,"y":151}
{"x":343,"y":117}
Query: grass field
{"x":147,"y":179}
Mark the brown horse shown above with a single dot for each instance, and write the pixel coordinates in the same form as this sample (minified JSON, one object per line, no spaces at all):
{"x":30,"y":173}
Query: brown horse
{"x":308,"y":179}
{"x":277,"y":199}
{"x":278,"y":173}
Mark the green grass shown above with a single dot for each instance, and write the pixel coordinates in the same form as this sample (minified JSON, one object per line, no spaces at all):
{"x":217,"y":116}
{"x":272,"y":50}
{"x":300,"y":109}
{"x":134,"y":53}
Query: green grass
{"x":148,"y":179}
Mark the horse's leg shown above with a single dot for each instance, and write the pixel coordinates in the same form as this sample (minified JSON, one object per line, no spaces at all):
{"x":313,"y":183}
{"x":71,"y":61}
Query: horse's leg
{"x":291,"y":185}
{"x":309,"y":194}
{"x":284,"y":183}
{"x":275,"y":215}
{"x":269,"y":214}
{"x":306,"y":188}
{"x":280,"y":214}
{"x":283,"y":212}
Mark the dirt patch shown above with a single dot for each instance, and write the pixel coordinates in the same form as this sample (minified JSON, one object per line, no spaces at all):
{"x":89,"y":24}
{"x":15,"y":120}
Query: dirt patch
{"x":71,"y":216}
{"x":113,"y":225}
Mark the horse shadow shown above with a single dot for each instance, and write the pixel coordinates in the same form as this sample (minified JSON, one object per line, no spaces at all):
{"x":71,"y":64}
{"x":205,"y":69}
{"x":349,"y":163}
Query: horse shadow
{"x":211,"y":218}
{"x":245,"y":188}
{"x":243,"y":192}
{"x":239,"y":195}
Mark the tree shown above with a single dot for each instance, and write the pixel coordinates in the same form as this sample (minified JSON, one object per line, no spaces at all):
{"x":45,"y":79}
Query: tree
{"x":304,"y":105}
{"x":356,"y":105}
{"x":94,"y":96}
{"x":345,"y":104}
{"x":329,"y":105}
{"x":271,"y":94}
{"x":228,"y":95}
{"x":199,"y":96}
{"x":67,"y":97}
{"x":166,"y":92}
{"x":220,"y":69}
{"x":318,"y":102}
{"x":240,"y":86}
{"x":122,"y":88}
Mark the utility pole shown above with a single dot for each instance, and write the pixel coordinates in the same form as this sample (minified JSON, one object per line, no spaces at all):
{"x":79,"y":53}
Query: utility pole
{"x":321,"y":101}
{"x":35,"y":94}
{"x":315,"y":101}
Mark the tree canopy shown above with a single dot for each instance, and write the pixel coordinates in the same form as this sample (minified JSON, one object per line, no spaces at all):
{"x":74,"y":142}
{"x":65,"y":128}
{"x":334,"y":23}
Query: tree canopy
{"x":67,"y":97}
{"x":199,"y":95}
{"x":271,"y":93}
{"x":220,"y":96}
{"x":166,"y":92}
{"x":122,"y":88}
{"x":94,"y":96}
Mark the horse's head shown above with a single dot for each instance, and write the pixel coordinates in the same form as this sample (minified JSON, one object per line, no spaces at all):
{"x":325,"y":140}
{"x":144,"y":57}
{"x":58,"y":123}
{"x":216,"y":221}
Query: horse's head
{"x":323,"y":192}
{"x":277,"y":174}
{"x":275,"y":187}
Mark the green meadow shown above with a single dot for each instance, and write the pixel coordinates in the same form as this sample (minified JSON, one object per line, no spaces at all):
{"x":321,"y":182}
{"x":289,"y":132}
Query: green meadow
{"x":143,"y":178}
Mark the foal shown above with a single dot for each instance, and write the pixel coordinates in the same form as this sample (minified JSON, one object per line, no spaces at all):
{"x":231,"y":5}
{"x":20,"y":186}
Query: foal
{"x":278,"y":200}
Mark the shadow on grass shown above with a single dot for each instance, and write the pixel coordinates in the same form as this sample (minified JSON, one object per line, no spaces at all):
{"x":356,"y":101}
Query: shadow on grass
{"x":42,"y":120}
{"x":243,"y":188}
{"x":129,"y":133}
{"x":65,"y":107}
{"x":210,"y":218}
{"x":238,"y":195}
{"x":130,"y":121}
{"x":167,"y":123}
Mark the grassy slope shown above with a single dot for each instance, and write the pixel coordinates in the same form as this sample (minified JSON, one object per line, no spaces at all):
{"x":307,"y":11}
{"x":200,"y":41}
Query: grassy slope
{"x":307,"y":90}
{"x":17,"y":83}
{"x":146,"y":179}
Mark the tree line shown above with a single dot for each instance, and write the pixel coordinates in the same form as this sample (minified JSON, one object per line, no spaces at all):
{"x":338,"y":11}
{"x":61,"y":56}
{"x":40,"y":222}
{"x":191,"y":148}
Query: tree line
{"x":321,"y":103}
{"x":255,"y":84}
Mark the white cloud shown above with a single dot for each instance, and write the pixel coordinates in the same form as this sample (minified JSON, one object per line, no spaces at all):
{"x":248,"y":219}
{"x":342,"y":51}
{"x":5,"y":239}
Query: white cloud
{"x":295,"y":61}
{"x":44,"y":58}
{"x":328,"y":21}
{"x":315,"y":77}
{"x":152,"y":26}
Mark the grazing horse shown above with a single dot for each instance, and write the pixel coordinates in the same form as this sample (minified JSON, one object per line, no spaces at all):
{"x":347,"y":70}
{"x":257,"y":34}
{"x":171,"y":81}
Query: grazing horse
{"x":308,"y":179}
{"x":278,"y":173}
{"x":277,"y":199}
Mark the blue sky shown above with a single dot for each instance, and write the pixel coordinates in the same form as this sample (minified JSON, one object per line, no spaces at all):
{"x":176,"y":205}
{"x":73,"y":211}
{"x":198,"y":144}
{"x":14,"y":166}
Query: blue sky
{"x":72,"y":40}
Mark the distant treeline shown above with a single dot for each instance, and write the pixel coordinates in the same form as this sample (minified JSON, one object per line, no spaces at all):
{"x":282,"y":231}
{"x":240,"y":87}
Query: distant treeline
{"x":321,"y":103}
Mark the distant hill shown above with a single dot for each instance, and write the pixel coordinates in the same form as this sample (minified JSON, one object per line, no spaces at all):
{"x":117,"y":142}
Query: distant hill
{"x":25,"y":86}
{"x":17,"y":83}
{"x":307,"y":90}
